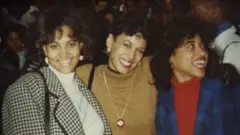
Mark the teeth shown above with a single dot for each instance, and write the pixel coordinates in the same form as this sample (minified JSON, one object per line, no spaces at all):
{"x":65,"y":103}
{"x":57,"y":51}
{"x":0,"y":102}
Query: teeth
{"x":199,"y":63}
{"x":124,"y":62}
{"x":64,"y":62}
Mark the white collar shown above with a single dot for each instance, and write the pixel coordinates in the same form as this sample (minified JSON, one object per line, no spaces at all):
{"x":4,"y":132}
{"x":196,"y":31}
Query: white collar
{"x":64,"y":78}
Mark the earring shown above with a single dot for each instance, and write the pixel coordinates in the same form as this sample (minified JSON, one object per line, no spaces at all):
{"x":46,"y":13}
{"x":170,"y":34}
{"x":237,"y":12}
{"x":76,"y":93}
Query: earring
{"x":46,"y":60}
{"x":108,"y":50}
{"x":81,"y":57}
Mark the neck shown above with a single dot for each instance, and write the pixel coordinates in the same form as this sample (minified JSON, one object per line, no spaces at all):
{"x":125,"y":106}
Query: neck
{"x":116,"y":72}
{"x":181,"y":78}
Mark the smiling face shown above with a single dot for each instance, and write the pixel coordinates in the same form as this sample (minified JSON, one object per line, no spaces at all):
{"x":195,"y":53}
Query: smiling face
{"x":189,"y":60}
{"x":64,"y":52}
{"x":126,"y":52}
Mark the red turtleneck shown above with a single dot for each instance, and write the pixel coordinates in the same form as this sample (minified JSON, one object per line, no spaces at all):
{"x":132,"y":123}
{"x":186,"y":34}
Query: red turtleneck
{"x":185,"y":101}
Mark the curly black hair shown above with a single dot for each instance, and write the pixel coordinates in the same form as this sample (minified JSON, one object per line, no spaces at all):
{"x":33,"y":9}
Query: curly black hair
{"x":176,"y":31}
{"x":131,"y":25}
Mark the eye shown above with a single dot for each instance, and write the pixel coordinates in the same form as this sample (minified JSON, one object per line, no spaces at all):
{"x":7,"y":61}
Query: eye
{"x":141,"y":51}
{"x":53,"y":46}
{"x":202,"y":45}
{"x":127,"y":45}
{"x":72,"y":44}
{"x":190,"y":46}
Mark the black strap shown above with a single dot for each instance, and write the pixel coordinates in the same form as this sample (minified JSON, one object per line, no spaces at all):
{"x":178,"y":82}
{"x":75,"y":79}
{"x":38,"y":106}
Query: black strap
{"x":47,"y":106}
{"x":223,"y":53}
{"x":91,"y":76}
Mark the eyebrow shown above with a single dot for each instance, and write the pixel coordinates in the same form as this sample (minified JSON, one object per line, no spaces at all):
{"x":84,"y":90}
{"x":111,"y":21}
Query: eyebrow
{"x":126,"y":40}
{"x":189,"y":41}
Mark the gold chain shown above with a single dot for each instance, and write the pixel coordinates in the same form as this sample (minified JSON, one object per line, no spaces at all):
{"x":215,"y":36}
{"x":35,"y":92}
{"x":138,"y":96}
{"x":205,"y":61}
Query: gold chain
{"x":110,"y":97}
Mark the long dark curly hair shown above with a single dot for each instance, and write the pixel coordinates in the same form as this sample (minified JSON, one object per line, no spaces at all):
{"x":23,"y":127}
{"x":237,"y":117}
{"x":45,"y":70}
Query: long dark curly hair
{"x":176,"y":31}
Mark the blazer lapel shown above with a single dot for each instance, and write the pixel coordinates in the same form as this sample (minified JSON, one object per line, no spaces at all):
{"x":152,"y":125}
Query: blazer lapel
{"x":204,"y":103}
{"x":64,"y":111}
{"x":168,"y":99}
{"x":95,"y":104}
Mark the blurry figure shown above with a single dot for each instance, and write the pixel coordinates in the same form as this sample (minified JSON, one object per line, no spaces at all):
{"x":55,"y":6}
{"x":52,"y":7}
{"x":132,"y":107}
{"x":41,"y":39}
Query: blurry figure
{"x":34,"y":11}
{"x":227,"y":42}
{"x":131,"y":5}
{"x":14,"y":51}
{"x":101,"y":5}
{"x":12,"y":56}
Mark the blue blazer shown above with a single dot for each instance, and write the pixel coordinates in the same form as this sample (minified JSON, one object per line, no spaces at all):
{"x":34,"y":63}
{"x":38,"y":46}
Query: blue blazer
{"x":217,"y":114}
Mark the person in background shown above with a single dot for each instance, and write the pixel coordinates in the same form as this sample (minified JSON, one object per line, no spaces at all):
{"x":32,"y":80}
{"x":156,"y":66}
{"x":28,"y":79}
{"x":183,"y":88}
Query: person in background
{"x":52,"y":99}
{"x":226,"y":42}
{"x":123,"y":85}
{"x":190,"y":102}
{"x":101,"y":5}
{"x":12,"y":57}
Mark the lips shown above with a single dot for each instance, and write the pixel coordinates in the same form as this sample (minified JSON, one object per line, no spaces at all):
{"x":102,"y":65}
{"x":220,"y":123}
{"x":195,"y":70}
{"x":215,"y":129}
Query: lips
{"x":125,"y":63}
{"x":200,"y":63}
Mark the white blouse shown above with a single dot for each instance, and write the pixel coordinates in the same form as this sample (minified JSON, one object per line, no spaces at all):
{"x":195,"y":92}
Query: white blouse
{"x":92,"y":123}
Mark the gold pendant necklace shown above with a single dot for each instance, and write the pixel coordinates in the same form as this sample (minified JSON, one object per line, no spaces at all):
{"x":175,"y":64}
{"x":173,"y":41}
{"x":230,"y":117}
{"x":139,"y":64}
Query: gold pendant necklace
{"x":120,"y":121}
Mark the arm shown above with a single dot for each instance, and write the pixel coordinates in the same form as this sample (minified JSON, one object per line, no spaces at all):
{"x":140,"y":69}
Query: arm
{"x":232,"y":55}
{"x":21,"y":112}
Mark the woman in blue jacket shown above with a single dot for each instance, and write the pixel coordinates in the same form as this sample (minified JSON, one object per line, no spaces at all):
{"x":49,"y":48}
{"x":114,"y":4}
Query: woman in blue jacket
{"x":189,"y":101}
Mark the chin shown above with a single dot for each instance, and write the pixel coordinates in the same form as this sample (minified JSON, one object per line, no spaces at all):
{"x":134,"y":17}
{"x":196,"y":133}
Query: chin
{"x":200,"y":75}
{"x":65,"y":71}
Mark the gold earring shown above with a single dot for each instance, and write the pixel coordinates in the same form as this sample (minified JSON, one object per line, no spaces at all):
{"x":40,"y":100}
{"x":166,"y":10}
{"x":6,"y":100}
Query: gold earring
{"x":108,"y":50}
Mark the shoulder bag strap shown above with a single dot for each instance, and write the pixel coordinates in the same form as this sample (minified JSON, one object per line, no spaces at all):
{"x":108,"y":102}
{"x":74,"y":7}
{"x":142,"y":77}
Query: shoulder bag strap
{"x":91,"y":77}
{"x":47,"y":106}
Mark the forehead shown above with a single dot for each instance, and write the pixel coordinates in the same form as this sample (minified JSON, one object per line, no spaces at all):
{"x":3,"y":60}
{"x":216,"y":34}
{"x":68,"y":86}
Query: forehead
{"x":102,"y":3}
{"x":13,"y":34}
{"x":136,"y":39}
{"x":63,"y":32}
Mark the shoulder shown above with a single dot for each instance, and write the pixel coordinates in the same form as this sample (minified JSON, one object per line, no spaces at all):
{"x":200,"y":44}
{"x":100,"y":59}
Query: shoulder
{"x":83,"y":72}
{"x":212,"y":83}
{"x":25,"y":86}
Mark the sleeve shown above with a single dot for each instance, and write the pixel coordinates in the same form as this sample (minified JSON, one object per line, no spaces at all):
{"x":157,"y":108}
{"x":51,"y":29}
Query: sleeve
{"x":21,"y":113}
{"x":232,"y":55}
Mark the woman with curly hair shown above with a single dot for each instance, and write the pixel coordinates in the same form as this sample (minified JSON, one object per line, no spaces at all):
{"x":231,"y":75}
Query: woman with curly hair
{"x":190,"y":102}
{"x":52,"y":99}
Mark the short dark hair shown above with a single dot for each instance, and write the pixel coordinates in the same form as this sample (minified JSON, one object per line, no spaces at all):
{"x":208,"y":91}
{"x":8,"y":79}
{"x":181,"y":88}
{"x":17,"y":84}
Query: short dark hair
{"x":176,"y":31}
{"x":130,"y":25}
{"x":64,"y":14}
{"x":19,"y":29}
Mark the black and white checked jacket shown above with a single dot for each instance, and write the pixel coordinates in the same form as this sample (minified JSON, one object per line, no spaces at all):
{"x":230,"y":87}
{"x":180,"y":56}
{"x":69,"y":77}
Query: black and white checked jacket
{"x":24,"y":105}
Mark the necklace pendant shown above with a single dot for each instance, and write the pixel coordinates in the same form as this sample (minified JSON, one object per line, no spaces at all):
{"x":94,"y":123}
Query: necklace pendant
{"x":120,"y":123}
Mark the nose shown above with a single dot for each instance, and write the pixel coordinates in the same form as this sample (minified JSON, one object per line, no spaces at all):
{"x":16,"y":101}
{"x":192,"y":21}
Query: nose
{"x":64,"y":52}
{"x":131,"y":55}
{"x":201,"y":51}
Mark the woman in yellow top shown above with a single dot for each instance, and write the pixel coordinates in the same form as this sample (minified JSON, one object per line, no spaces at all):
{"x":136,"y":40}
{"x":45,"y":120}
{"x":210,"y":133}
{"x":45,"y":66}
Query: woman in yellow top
{"x":124,"y":85}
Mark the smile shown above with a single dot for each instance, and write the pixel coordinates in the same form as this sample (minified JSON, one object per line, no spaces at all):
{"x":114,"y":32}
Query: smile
{"x":125,"y":63}
{"x":200,"y":63}
{"x":65,"y":62}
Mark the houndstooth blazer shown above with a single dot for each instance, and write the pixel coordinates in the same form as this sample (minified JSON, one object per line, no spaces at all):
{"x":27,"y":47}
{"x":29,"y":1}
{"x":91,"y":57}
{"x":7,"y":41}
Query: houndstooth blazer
{"x":24,"y":105}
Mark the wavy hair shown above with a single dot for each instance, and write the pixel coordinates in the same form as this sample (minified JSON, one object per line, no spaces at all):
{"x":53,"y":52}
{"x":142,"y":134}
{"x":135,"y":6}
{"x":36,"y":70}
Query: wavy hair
{"x":176,"y":31}
{"x":80,"y":21}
